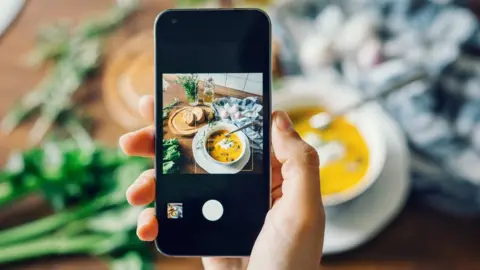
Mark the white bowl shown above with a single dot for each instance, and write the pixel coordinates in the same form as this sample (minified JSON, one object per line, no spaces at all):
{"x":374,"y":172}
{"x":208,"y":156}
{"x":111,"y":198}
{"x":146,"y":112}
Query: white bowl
{"x":300,"y":94}
{"x":225,"y":126}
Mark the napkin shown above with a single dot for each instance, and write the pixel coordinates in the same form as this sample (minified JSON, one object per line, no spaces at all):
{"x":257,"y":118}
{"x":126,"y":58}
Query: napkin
{"x":250,"y":110}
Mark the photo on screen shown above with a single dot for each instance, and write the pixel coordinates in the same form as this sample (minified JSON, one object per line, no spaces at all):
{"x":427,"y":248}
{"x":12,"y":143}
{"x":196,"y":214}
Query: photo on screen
{"x":212,"y":123}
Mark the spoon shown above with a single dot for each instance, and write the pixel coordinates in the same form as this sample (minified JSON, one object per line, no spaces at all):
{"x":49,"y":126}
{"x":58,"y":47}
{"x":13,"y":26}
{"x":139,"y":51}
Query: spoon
{"x":324,"y":119}
{"x":240,"y":128}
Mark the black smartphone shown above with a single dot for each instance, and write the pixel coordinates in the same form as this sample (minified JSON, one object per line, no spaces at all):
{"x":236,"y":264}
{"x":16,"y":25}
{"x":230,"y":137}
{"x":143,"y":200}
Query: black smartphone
{"x":213,"y":114}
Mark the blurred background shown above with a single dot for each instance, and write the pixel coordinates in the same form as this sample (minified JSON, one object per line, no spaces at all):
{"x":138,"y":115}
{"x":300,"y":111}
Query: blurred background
{"x":71,"y":74}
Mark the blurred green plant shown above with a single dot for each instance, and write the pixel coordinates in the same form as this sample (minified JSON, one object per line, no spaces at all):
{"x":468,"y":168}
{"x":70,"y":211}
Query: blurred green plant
{"x":85,"y":183}
{"x":73,"y":54}
{"x":86,"y":187}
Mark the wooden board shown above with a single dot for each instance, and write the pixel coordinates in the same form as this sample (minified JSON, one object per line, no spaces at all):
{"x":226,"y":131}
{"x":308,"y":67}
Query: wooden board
{"x":179,"y":127}
{"x":124,"y":82}
{"x":139,"y":79}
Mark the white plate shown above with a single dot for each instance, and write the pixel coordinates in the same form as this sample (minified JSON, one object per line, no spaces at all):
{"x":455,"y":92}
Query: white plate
{"x":200,"y":156}
{"x":9,"y":10}
{"x":354,"y":223}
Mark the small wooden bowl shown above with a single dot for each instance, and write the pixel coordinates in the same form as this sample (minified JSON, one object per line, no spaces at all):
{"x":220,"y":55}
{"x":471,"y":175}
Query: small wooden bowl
{"x":128,"y":75}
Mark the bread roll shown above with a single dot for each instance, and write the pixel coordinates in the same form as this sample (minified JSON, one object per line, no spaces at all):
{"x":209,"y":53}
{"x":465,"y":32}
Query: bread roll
{"x":199,"y":115}
{"x":189,"y":118}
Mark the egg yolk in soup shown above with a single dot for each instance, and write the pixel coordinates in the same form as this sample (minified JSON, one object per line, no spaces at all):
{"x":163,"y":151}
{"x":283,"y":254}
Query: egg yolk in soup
{"x":224,"y":148}
{"x":343,"y":152}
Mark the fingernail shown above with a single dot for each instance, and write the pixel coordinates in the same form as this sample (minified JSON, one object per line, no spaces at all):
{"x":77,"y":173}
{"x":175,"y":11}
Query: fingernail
{"x":124,"y":137}
{"x":143,"y":221}
{"x":283,"y":122}
{"x":144,"y":99}
{"x":142,"y":181}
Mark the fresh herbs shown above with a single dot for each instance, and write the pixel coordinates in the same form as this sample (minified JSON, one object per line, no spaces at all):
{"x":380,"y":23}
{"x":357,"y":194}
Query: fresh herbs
{"x":69,"y":176}
{"x":171,"y":156}
{"x":171,"y":148}
{"x":73,"y":56}
{"x":190,"y":85}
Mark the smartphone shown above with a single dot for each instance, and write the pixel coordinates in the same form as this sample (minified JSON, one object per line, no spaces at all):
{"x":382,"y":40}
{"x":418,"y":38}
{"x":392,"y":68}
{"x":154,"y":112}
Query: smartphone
{"x":213,"y":77}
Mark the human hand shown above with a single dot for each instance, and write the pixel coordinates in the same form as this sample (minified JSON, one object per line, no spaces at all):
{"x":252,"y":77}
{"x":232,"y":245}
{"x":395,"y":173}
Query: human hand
{"x":292,"y":236}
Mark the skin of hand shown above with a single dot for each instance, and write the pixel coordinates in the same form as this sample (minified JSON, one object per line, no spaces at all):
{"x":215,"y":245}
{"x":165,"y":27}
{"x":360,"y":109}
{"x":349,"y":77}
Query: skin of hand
{"x":292,"y":235}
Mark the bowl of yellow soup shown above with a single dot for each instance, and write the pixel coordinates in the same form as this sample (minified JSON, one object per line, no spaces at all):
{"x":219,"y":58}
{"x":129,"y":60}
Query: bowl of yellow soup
{"x":352,"y":149}
{"x":222,"y":147}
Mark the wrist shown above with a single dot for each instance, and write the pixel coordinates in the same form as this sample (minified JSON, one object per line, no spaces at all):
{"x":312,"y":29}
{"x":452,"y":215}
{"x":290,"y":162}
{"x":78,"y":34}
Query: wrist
{"x":218,"y":263}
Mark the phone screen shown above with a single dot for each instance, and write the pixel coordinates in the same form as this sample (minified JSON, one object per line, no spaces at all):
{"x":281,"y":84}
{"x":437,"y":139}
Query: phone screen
{"x":213,"y":80}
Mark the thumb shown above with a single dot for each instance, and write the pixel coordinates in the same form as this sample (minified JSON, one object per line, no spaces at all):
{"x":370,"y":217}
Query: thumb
{"x":292,"y":237}
{"x":300,"y":164}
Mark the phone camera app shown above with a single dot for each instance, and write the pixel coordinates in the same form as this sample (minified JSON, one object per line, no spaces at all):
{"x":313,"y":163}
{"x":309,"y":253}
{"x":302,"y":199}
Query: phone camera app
{"x":216,"y":126}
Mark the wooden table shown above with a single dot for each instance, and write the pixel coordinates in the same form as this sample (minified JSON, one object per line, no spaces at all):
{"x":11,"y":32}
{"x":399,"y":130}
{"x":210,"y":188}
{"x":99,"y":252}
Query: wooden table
{"x":419,"y":238}
{"x":188,"y":163}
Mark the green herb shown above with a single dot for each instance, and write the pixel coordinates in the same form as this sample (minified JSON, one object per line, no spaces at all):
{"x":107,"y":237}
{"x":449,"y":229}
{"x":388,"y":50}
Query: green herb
{"x":171,"y":153}
{"x":190,"y":85}
{"x":171,"y":156}
{"x":228,"y":140}
{"x":69,"y":176}
{"x":211,"y":124}
{"x":74,"y":54}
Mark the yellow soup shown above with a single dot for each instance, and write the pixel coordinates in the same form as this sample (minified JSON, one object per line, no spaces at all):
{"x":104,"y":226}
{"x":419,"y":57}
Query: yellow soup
{"x":223,"y":148}
{"x":349,"y":169}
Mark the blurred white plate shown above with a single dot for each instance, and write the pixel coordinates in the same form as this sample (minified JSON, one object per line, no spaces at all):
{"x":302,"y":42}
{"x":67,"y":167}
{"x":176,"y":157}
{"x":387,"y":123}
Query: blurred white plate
{"x":9,"y":10}
{"x":353,"y":223}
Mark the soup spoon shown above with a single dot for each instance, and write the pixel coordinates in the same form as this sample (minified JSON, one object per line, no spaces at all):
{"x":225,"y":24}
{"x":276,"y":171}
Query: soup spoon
{"x":324,"y":119}
{"x":241,"y":128}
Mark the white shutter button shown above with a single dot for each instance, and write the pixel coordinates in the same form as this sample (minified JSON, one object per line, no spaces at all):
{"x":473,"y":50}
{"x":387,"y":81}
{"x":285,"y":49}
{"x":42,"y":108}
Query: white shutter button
{"x":212,"y":210}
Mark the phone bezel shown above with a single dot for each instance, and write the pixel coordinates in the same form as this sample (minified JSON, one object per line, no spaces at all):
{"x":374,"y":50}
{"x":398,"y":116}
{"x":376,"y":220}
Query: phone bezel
{"x":185,"y":19}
